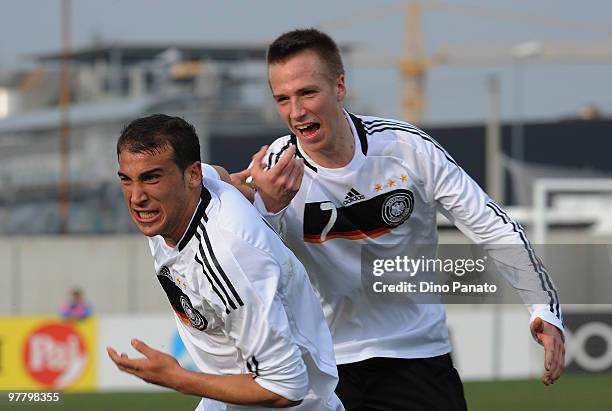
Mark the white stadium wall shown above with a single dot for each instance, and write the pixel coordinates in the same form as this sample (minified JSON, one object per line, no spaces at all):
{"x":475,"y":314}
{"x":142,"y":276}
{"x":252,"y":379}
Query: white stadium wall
{"x":115,"y":273}
{"x":493,"y":341}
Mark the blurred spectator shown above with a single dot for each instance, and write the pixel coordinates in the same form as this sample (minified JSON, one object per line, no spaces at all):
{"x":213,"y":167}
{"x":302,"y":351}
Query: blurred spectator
{"x":76,"y":308}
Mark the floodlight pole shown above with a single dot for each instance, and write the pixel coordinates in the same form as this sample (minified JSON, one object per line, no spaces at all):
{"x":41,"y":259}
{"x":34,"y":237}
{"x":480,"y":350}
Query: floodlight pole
{"x":494,"y":167}
{"x":64,"y":103}
{"x":520,"y":53}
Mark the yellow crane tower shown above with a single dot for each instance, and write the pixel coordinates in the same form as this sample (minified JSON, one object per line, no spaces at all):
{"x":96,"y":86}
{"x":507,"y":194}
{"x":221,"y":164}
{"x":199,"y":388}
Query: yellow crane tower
{"x":414,"y":63}
{"x":413,"y":66}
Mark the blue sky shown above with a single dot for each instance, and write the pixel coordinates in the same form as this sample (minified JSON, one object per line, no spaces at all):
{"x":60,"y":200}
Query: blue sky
{"x":454,"y":94}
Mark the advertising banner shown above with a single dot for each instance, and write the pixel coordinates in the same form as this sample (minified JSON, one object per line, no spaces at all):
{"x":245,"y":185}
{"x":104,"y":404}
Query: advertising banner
{"x":43,"y":353}
{"x":589,"y":342}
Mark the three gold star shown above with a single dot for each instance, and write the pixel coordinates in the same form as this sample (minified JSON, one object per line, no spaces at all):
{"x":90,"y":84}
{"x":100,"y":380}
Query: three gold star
{"x":391,"y":183}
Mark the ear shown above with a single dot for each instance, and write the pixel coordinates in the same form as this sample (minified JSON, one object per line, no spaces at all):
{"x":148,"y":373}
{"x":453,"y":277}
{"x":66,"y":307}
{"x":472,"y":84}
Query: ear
{"x":340,"y":88}
{"x":193,"y":175}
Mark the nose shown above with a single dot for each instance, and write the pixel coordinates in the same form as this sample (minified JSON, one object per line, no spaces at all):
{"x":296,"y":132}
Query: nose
{"x":297,"y":109}
{"x":138,"y":195}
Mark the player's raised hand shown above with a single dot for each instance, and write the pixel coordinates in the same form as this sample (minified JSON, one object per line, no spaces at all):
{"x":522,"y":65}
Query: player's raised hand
{"x":156,"y":367}
{"x":278,"y":185}
{"x":551,"y":339}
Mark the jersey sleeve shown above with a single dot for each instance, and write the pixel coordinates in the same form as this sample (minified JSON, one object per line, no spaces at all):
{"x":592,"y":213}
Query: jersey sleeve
{"x":253,"y":314}
{"x":209,"y":171}
{"x":465,"y":204}
{"x":276,"y":220}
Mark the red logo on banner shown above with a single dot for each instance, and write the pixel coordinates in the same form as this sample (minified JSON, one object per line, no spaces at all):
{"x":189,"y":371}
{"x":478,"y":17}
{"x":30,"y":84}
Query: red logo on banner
{"x":55,"y":355}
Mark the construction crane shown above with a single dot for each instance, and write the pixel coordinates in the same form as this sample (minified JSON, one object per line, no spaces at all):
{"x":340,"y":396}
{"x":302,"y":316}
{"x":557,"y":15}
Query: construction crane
{"x":414,"y":63}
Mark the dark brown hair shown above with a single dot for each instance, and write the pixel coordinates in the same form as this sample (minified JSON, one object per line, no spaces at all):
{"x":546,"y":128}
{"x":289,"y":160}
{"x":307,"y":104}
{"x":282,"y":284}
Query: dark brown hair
{"x":293,"y":42}
{"x":154,"y":133}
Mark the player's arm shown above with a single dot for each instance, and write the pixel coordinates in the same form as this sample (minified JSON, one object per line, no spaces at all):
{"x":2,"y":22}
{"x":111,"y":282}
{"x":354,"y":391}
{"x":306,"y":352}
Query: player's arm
{"x":483,"y":221}
{"x":223,"y":174}
{"x":259,"y":326}
{"x":162,"y":369}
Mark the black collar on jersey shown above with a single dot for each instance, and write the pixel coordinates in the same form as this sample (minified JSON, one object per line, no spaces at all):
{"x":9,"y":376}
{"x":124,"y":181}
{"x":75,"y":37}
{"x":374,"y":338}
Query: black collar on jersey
{"x":293,"y":140}
{"x":195,"y":221}
{"x":361,"y":133}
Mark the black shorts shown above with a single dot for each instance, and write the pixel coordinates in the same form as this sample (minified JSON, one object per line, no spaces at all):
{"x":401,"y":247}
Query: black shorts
{"x":386,"y":384}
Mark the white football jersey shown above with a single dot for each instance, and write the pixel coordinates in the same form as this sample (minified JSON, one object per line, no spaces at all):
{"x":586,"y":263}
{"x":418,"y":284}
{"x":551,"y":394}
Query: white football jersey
{"x":243,"y":302}
{"x":389,"y":194}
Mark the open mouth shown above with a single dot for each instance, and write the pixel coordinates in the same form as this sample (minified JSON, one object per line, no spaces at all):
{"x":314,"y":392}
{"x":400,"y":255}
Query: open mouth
{"x":308,"y":130}
{"x":146,"y":216}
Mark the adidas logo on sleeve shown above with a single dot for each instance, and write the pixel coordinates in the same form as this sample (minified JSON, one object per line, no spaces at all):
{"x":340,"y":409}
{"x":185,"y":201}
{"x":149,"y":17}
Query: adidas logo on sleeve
{"x":352,"y":196}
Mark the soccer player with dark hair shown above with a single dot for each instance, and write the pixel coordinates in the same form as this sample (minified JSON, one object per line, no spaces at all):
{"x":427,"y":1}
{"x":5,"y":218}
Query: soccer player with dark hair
{"x":243,"y":305}
{"x":375,"y":182}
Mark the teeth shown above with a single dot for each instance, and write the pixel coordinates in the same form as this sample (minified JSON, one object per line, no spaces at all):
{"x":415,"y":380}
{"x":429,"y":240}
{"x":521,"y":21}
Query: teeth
{"x":146,"y":214}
